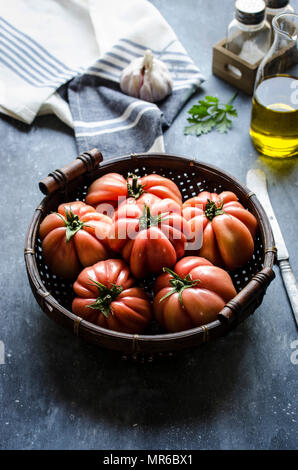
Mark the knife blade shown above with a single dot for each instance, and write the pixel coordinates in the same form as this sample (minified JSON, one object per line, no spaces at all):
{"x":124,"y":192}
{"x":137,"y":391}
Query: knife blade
{"x":256,"y":182}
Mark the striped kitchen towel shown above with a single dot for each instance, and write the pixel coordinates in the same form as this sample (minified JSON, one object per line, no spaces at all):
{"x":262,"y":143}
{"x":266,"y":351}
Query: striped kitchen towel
{"x":35,"y":64}
{"x":43,"y":45}
{"x":110,"y":120}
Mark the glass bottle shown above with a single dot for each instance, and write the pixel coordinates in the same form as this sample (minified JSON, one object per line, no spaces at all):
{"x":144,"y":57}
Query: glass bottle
{"x":277,"y":7}
{"x":274,"y":118}
{"x":249,"y":34}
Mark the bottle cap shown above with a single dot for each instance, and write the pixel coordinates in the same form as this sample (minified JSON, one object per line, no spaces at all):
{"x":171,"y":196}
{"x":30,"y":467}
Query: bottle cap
{"x":277,"y":3}
{"x":250,"y":11}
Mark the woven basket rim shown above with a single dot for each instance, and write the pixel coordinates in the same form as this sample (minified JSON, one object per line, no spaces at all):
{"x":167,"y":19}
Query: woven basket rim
{"x":44,"y":295}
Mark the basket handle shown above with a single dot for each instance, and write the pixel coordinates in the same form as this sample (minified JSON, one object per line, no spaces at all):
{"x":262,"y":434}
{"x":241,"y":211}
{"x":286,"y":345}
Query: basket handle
{"x":59,"y":179}
{"x":254,"y":291}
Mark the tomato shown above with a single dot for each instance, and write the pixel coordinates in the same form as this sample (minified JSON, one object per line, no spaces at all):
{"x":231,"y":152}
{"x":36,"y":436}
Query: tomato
{"x":192,"y":294}
{"x":112,"y":188}
{"x":228,"y":228}
{"x":149,"y":238}
{"x":74,"y":237}
{"x":107,"y":297}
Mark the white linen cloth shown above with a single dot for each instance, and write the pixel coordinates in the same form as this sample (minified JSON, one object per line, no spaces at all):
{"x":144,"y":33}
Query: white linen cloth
{"x":45,"y":44}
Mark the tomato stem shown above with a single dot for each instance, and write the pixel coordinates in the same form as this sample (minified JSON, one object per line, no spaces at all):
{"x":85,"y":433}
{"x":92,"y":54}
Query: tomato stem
{"x":212,"y":209}
{"x":179,"y":284}
{"x":72,"y":223}
{"x":135,"y":188}
{"x":147,"y":220}
{"x":106,"y":297}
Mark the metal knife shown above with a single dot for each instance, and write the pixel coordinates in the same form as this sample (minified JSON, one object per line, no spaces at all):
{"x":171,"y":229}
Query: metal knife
{"x":256,"y":182}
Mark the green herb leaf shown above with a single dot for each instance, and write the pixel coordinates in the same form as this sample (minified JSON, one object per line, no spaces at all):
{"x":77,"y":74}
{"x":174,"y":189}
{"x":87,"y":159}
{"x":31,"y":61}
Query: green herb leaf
{"x":223,"y":125}
{"x":209,"y":114}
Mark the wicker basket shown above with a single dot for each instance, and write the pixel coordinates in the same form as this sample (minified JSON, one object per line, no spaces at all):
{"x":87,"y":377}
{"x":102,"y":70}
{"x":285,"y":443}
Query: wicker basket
{"x":54,"y":294}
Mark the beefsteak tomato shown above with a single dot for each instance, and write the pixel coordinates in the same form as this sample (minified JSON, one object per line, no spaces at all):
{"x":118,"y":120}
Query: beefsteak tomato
{"x":149,"y":238}
{"x":107,"y":297}
{"x":192,"y":294}
{"x":228,"y":228}
{"x":112,"y":189}
{"x":74,"y":237}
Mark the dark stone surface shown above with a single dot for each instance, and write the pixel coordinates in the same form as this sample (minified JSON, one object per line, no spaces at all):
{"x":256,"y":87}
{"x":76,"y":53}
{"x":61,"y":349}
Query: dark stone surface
{"x":58,"y":392}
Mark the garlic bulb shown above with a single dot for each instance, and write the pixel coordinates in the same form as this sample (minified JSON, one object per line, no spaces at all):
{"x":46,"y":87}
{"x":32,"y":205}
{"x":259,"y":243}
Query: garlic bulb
{"x":146,"y":78}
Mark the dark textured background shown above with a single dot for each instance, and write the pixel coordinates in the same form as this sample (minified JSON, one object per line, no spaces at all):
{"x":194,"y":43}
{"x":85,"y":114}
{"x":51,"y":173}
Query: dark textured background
{"x":58,"y":392}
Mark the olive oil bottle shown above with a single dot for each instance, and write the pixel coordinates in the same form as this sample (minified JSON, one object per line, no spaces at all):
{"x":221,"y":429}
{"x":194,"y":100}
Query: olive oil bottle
{"x":274,"y":119}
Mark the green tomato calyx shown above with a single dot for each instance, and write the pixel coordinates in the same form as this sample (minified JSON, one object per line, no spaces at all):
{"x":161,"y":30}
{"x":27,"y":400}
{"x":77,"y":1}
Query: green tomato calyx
{"x":179,"y":284}
{"x":147,"y":220}
{"x":135,"y":188}
{"x":212,"y":209}
{"x":72,"y":223}
{"x":106,"y":297}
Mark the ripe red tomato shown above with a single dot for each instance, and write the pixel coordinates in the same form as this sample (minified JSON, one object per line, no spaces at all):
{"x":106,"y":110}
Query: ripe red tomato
{"x":149,"y":238}
{"x":73,"y":237}
{"x":192,"y":294}
{"x":228,"y":228}
{"x":106,"y":297}
{"x":112,"y":187}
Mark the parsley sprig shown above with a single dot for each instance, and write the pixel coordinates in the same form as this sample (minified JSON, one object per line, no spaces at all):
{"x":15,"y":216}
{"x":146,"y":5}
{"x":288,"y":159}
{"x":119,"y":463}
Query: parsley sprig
{"x":210,"y":114}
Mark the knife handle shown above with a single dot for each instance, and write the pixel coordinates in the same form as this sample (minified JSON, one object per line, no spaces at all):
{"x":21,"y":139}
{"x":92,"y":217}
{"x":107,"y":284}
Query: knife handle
{"x":290,"y":285}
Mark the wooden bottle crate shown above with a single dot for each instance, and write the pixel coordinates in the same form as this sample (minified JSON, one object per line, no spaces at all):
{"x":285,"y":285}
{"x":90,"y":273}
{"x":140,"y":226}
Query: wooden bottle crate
{"x":222,"y":58}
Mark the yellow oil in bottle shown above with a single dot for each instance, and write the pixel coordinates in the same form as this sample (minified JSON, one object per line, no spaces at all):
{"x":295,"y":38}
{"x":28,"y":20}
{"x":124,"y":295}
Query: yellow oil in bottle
{"x":274,"y":119}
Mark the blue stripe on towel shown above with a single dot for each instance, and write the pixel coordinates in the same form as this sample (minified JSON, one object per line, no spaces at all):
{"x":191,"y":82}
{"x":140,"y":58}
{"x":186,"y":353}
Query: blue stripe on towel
{"x":110,"y":64}
{"x":116,"y":56}
{"x":124,"y":49}
{"x":163,"y":51}
{"x":17,"y":72}
{"x":25,"y":39}
{"x":39,"y":75}
{"x":102,"y":73}
{"x":30,"y":61}
{"x":41,"y":63}
{"x":29,"y":51}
